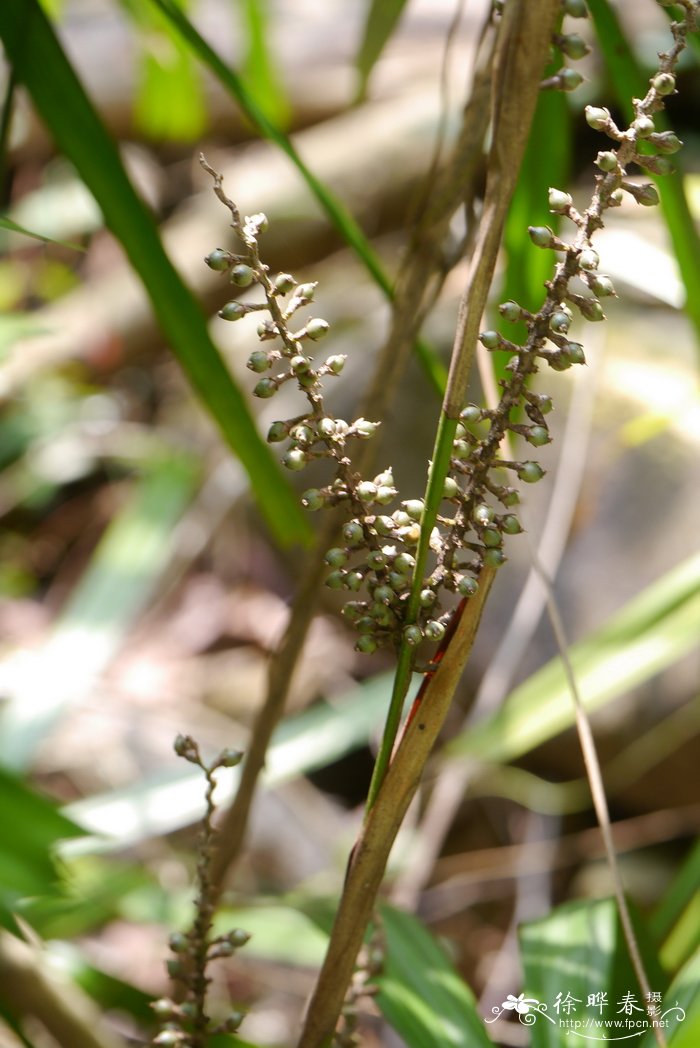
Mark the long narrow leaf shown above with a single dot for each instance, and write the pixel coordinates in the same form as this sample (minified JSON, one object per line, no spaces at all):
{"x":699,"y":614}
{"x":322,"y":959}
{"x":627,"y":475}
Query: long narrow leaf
{"x":382,"y":18}
{"x":653,"y":631}
{"x":40,"y":63}
{"x":630,"y":82}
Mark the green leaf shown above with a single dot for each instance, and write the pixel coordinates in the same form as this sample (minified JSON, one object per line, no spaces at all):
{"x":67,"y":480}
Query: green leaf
{"x":420,"y":992}
{"x":31,"y":826}
{"x":39,"y":62}
{"x":684,"y":993}
{"x":650,"y":633}
{"x":678,"y":894}
{"x":259,"y":68}
{"x":123,"y":573}
{"x":573,"y":954}
{"x":382,"y":18}
{"x":630,"y":82}
{"x":7,"y":223}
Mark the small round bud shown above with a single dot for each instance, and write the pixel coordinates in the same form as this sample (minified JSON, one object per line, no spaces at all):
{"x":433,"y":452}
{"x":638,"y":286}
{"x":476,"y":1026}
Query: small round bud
{"x":644,"y":126}
{"x":510,"y":311}
{"x":353,"y":533}
{"x":573,"y":46}
{"x":597,"y":117}
{"x":538,"y":436}
{"x":302,"y":434}
{"x":233,"y":1022}
{"x":483,"y":513}
{"x":559,"y":322}
{"x":450,"y":488}
{"x":218,"y":260}
{"x":335,"y":364}
{"x":383,"y":525}
{"x":660,"y":165}
{"x":376,"y":560}
{"x":401,"y":519}
{"x":666,"y":142}
{"x":365,"y":624}
{"x":232,"y":311}
{"x":461,"y":450}
{"x":414,"y":508}
{"x":384,"y":594}
{"x":559,"y":201}
{"x":366,"y":645}
{"x":559,"y":361}
{"x":317,"y":328}
{"x":410,"y":534}
{"x":258,"y":222}
{"x":266,"y":330}
{"x":242,"y":276}
{"x":397,"y":581}
{"x":353,"y":580}
{"x":607,"y":160}
{"x":541,"y":236}
{"x":404,"y":563}
{"x":277,"y":432}
{"x":169,"y":1038}
{"x":354,"y":610}
{"x":664,"y":83}
{"x":312,"y":499}
{"x":467,"y":586}
{"x":185,"y":746}
{"x":588,"y":259}
{"x":493,"y":558}
{"x":490,"y":339}
{"x":366,"y":491}
{"x":569,"y":79}
{"x":305,"y":292}
{"x":300,"y":364}
{"x":341,"y":427}
{"x":385,"y":494}
{"x":413,"y":636}
{"x":326,"y":427}
{"x":427,"y":598}
{"x":258,"y":361}
{"x":229,"y":758}
{"x":434,"y":630}
{"x":591,"y":309}
{"x":509,"y":497}
{"x":336,"y":557}
{"x":164,"y":1008}
{"x":265,"y":388}
{"x":178,"y":942}
{"x":574,"y":351}
{"x":283,"y":283}
{"x":601,"y":285}
{"x":645,"y":194}
{"x":510,"y":525}
{"x":175,"y":967}
{"x":491,"y":537}
{"x":335,"y":580}
{"x":544,"y":402}
{"x":294,"y":459}
{"x":364,"y":428}
{"x":576,"y":8}
{"x":530,"y":472}
{"x":472,"y":413}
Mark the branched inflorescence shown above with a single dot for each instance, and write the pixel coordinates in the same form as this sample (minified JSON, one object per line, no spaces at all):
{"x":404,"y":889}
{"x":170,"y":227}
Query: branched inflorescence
{"x":375,"y":558}
{"x":186,"y":1024}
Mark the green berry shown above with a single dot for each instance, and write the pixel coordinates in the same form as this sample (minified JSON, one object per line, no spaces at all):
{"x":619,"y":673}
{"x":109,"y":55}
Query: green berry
{"x":383,"y":525}
{"x":233,"y":311}
{"x":404,"y":563}
{"x":168,"y":1038}
{"x":300,"y":364}
{"x":434,"y":630}
{"x":538,"y":436}
{"x":401,"y":519}
{"x":667,"y":142}
{"x":164,"y":1008}
{"x":461,"y":450}
{"x":258,"y":361}
{"x":397,"y":581}
{"x":427,"y":598}
{"x":573,"y":46}
{"x":218,"y":260}
{"x":384,"y":594}
{"x":664,"y":83}
{"x":312,"y":499}
{"x":283,"y":283}
{"x":366,"y":491}
{"x":483,"y":513}
{"x":597,"y":117}
{"x":450,"y":488}
{"x":258,"y":222}
{"x":266,"y":330}
{"x":509,"y":497}
{"x":491,"y":537}
{"x":559,"y":201}
{"x":385,"y":494}
{"x":305,"y":293}
{"x":242,"y":276}
{"x":265,"y":388}
{"x":490,"y":339}
{"x":276,"y":432}
{"x":510,"y":311}
{"x":364,"y":428}
{"x":644,"y":126}
{"x":511,"y":525}
{"x":317,"y":328}
{"x":353,"y":580}
{"x":559,"y":322}
{"x":472,"y":413}
{"x":574,"y":351}
{"x":326,"y":427}
{"x":376,"y":559}
{"x":366,"y":645}
{"x":569,"y":79}
{"x":530,"y":472}
{"x":467,"y":586}
{"x":414,"y":508}
{"x":302,"y":434}
{"x":493,"y":558}
{"x":294,"y":459}
{"x":588,"y":259}
{"x":353,"y":533}
{"x":336,"y":557}
{"x":601,"y":286}
{"x":607,"y":160}
{"x":591,"y":309}
{"x":336,"y":364}
{"x":413,"y":636}
{"x":541,"y":236}
{"x":576,"y":8}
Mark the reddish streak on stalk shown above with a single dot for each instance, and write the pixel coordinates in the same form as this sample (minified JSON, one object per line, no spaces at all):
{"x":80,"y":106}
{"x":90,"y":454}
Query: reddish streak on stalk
{"x":437,"y":658}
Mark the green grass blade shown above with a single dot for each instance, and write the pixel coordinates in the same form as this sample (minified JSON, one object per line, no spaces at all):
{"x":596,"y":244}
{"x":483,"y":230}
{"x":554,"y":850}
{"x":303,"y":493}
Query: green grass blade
{"x":382,"y":18}
{"x":678,"y":894}
{"x":338,"y":215}
{"x":39,"y":62}
{"x":7,"y":223}
{"x":684,"y":992}
{"x":630,"y":82}
{"x":259,"y":67}
{"x":130,"y":559}
{"x":420,"y":992}
{"x":652,"y":632}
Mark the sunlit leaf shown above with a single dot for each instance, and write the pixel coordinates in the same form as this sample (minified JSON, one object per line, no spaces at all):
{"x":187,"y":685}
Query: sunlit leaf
{"x":382,"y":19}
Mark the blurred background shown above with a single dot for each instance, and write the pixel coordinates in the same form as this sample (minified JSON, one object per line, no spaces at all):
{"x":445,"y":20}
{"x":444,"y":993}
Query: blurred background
{"x":141,"y":590}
